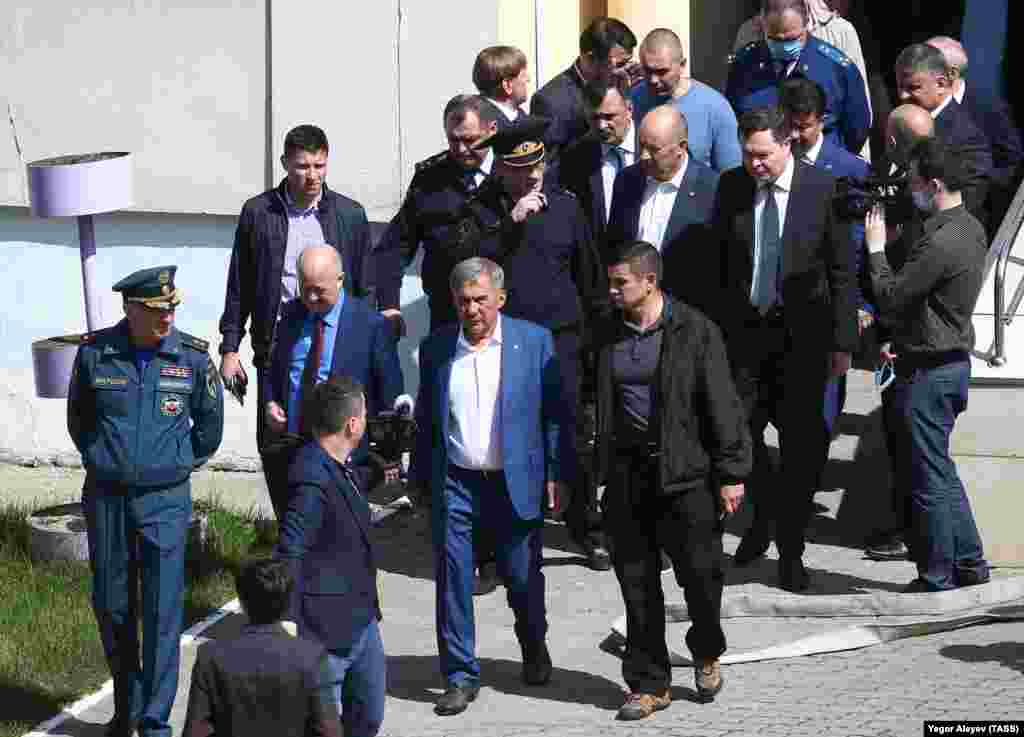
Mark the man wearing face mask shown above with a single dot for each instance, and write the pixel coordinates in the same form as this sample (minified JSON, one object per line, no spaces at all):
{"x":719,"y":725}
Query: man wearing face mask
{"x":788,"y":51}
{"x":929,"y":302}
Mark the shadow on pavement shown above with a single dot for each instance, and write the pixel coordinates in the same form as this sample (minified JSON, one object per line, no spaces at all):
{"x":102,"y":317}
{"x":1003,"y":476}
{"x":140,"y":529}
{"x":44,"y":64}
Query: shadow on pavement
{"x":823,"y":582}
{"x":75,"y":727}
{"x":23,"y":702}
{"x":416,"y":678}
{"x":1009,"y":654}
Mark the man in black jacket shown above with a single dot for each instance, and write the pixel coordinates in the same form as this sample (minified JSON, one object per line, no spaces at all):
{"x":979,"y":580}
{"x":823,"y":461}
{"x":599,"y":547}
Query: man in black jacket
{"x":674,"y":448}
{"x":272,"y":230}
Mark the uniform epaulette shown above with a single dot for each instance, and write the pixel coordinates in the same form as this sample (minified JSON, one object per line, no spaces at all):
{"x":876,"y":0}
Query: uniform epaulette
{"x":195,"y":343}
{"x":741,"y":54}
{"x":432,"y":161}
{"x":834,"y":53}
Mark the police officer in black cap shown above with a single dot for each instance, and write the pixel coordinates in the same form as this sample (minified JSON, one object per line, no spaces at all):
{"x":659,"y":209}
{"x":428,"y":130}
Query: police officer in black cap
{"x":145,"y":407}
{"x":553,"y":277}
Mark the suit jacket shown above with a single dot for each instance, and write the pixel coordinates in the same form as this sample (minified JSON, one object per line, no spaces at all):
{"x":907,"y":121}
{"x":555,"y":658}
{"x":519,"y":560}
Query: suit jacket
{"x":263,"y":682}
{"x":966,"y":141}
{"x":502,"y":121}
{"x":690,"y":266}
{"x":561,"y":102}
{"x":995,"y":119}
{"x":580,"y":172}
{"x":531,"y":412}
{"x":326,"y":539}
{"x":817,"y":263}
{"x":365,"y":349}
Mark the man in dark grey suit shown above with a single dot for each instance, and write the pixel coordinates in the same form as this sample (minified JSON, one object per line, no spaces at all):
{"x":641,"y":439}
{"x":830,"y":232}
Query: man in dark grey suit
{"x":788,"y":309}
{"x":666,"y":200}
{"x":266,"y":681}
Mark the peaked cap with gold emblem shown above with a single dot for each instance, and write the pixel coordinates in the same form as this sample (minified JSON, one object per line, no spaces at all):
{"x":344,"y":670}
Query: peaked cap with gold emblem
{"x":151,"y":287}
{"x":520,"y":144}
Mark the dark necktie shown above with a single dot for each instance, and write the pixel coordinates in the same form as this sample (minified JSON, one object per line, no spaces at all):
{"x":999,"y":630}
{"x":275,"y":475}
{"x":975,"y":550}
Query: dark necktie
{"x":767,"y":283}
{"x":471,"y":179}
{"x":311,"y":370}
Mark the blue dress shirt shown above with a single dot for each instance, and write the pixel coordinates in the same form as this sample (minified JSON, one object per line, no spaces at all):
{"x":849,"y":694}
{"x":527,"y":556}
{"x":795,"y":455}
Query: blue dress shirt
{"x":301,"y":349}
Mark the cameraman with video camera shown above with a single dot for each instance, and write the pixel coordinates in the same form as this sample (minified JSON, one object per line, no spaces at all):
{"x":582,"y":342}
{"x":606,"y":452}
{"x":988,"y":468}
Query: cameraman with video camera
{"x":928,"y":303}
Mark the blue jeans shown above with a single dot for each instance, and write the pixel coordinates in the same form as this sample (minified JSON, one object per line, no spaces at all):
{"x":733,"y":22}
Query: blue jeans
{"x":944,"y":540}
{"x":360,"y":678}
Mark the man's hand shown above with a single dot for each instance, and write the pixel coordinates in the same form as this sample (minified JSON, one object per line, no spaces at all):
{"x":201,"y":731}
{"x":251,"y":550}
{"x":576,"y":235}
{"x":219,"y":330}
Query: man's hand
{"x":231,"y":366}
{"x":841,"y":363}
{"x":556,"y":493}
{"x":394,"y":316}
{"x":731,"y":497}
{"x":885,"y":352}
{"x":276,"y":417}
{"x":532,"y":202}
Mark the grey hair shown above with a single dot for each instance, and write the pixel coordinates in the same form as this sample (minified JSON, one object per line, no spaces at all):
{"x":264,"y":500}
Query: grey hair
{"x":471,"y":269}
{"x":298,"y":262}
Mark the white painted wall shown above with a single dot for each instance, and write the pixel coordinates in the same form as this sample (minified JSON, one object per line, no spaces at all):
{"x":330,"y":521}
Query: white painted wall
{"x":42,"y":297}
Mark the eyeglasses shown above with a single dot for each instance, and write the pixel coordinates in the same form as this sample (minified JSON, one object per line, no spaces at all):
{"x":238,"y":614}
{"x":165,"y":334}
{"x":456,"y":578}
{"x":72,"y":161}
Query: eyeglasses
{"x":884,"y":375}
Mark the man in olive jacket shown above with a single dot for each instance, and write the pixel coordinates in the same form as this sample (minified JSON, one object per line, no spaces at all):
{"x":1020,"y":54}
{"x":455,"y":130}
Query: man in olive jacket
{"x":673,"y":448}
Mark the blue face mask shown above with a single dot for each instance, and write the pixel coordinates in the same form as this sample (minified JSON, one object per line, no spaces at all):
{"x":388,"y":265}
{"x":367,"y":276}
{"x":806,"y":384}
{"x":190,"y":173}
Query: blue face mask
{"x":785,"y":50}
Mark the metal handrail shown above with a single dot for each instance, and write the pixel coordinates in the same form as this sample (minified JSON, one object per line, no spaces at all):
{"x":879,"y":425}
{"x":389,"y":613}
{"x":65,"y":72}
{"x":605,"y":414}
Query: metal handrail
{"x":999,"y":258}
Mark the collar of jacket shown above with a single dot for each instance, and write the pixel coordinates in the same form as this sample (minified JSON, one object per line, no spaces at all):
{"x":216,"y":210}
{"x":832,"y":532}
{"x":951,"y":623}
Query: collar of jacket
{"x":282,"y":193}
{"x":122,"y":342}
{"x":940,"y":218}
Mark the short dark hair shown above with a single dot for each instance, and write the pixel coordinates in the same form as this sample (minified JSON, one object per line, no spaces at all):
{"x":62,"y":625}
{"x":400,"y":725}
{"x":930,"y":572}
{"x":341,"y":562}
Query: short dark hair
{"x":598,"y":88}
{"x":307,"y":138}
{"x":799,"y":96}
{"x":641,"y":256}
{"x":604,"y":34}
{"x":765,"y":119}
{"x":772,"y":7}
{"x":459,"y":105}
{"x":494,"y":65}
{"x":332,"y":403}
{"x":934,"y":160}
{"x":923,"y":58}
{"x":264,"y":588}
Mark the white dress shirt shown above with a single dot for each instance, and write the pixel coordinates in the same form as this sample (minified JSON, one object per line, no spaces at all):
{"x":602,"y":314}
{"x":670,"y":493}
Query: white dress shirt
{"x":811,"y":155}
{"x":474,"y":405}
{"x":938,"y":111}
{"x":659,"y":199}
{"x":959,"y":92}
{"x":782,"y":187}
{"x":610,"y":166}
{"x":510,"y":112}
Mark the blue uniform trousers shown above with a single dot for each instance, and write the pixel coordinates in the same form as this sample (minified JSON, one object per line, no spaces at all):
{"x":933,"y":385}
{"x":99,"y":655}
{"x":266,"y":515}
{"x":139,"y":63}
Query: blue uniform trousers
{"x":139,"y":533}
{"x":944,"y":540}
{"x":360,"y":678}
{"x":480,"y":498}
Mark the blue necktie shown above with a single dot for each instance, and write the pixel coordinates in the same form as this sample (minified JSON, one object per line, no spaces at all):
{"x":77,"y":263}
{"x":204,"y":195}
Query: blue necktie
{"x":767,"y":291}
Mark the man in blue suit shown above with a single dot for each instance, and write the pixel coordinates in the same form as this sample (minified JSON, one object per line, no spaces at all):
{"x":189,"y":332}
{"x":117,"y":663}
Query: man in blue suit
{"x":325,"y":539}
{"x":666,"y":200}
{"x":803,"y":101}
{"x":790,"y":51}
{"x":325,"y":331}
{"x":490,"y":417}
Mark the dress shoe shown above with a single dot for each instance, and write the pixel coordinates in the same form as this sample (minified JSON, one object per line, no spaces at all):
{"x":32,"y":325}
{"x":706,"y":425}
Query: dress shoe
{"x":918,"y":586}
{"x":887,"y":546}
{"x":486,"y":580}
{"x":753,"y":545}
{"x":707,"y":675}
{"x":598,"y":558}
{"x":792,"y":575}
{"x":642,"y":705}
{"x":536,"y":665}
{"x":455,"y":699}
{"x":118,"y":727}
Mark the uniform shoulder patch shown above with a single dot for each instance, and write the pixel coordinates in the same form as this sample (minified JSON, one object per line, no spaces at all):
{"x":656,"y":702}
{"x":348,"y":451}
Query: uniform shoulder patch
{"x":432,"y":161}
{"x":195,"y":343}
{"x":833,"y":53}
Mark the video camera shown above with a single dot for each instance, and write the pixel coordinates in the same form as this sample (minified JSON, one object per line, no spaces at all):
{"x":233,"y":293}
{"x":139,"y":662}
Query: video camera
{"x":856,"y":196}
{"x":392,"y":433}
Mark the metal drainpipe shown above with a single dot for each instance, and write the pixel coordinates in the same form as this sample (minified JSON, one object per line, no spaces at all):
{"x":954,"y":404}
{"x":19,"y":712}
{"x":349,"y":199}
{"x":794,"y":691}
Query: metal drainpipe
{"x":538,"y":42}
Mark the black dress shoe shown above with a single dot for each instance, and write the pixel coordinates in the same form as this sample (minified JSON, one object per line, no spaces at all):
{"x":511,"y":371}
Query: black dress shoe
{"x":753,"y":545}
{"x":886,"y":547}
{"x":792,"y":575}
{"x":455,"y":699}
{"x":486,"y":580}
{"x":598,"y":558}
{"x":118,"y":727}
{"x":536,"y":665}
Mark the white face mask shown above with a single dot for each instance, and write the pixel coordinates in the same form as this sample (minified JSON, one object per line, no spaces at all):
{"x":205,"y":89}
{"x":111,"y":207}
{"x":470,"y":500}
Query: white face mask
{"x":924,"y":201}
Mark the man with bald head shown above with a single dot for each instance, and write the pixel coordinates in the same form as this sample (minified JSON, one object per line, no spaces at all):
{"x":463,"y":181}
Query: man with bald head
{"x":667,"y":81}
{"x":665,"y":199}
{"x":991,"y":113}
{"x":323,"y":331}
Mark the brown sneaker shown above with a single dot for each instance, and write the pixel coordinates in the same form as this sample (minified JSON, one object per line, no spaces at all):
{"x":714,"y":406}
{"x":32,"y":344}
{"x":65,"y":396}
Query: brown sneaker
{"x":642,"y":705}
{"x":707,"y":675}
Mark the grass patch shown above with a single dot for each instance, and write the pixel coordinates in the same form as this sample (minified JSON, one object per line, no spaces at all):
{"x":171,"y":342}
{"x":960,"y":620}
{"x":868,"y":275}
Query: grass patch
{"x":50,"y":651}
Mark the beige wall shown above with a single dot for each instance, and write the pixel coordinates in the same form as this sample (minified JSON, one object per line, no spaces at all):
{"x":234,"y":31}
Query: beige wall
{"x":643,"y":16}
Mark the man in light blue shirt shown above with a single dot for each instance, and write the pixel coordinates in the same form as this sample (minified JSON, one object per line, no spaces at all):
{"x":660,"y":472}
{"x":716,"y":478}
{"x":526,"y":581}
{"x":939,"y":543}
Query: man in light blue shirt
{"x":711,"y":120}
{"x":302,"y":348}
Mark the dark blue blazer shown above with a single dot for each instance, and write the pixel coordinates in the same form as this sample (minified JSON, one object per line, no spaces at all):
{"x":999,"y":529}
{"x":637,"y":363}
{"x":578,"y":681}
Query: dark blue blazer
{"x":531,"y":413}
{"x":966,"y":141}
{"x":326,"y":540}
{"x":561,"y":102}
{"x":839,"y":162}
{"x":579,"y":171}
{"x":499,"y":116}
{"x":365,"y":349}
{"x":689,"y":264}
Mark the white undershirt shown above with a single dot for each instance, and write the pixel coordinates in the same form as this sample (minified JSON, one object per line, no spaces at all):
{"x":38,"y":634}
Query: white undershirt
{"x":659,"y":199}
{"x":474,"y":422}
{"x":609,"y":166}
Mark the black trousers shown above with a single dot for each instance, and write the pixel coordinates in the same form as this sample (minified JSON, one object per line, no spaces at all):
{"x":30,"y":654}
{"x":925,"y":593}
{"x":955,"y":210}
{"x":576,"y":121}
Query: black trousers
{"x":782,"y":381}
{"x":641,"y":522}
{"x":275,"y":461}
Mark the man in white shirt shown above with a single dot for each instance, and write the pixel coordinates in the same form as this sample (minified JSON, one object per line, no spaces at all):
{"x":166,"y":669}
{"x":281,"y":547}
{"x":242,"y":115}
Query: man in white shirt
{"x":490,"y":417}
{"x":501,"y":75}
